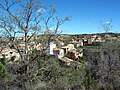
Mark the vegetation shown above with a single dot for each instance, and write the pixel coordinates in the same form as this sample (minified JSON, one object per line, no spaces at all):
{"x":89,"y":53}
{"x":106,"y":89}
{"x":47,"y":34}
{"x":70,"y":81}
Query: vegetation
{"x":3,"y":73}
{"x":3,"y":70}
{"x":37,"y":70}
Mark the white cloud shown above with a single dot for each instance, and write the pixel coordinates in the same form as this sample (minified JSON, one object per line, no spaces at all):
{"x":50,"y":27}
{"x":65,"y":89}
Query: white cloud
{"x":41,"y":10}
{"x":53,"y":29}
{"x":88,"y":23}
{"x":107,"y":22}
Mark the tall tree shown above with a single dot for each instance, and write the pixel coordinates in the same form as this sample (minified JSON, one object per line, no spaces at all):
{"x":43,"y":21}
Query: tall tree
{"x":28,"y":18}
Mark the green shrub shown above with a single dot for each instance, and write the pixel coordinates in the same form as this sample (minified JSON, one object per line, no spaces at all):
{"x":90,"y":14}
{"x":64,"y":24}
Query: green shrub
{"x":3,"y":70}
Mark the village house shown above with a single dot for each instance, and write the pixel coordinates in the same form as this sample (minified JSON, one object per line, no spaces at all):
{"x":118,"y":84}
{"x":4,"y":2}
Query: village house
{"x":85,"y":40}
{"x":9,"y":53}
{"x":39,"y":47}
{"x":96,"y":38}
{"x":77,"y":43}
{"x":51,"y":48}
{"x":68,"y":51}
{"x":31,"y":45}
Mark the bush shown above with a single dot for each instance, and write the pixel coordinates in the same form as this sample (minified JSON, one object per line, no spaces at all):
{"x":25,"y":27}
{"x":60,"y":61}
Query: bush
{"x":3,"y":70}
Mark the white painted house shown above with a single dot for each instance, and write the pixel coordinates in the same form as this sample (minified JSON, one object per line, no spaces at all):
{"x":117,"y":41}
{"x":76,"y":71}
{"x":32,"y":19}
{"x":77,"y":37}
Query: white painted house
{"x":61,"y":53}
{"x":51,"y":48}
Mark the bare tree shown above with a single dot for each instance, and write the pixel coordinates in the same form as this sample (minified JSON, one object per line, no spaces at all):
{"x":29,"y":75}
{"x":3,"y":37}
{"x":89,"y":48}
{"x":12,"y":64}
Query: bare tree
{"x":28,"y":18}
{"x":106,"y":26}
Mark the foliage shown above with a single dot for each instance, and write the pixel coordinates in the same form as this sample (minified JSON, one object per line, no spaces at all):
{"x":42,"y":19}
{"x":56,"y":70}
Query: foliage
{"x":109,"y":64}
{"x":59,"y":77}
{"x":101,"y":66}
{"x":3,"y":70}
{"x":91,"y":58}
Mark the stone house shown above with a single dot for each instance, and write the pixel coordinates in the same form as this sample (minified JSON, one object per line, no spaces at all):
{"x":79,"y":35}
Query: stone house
{"x":9,"y":53}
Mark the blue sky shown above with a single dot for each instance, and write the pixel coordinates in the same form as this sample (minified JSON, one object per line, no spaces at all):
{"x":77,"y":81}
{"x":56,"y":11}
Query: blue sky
{"x":86,"y":15}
